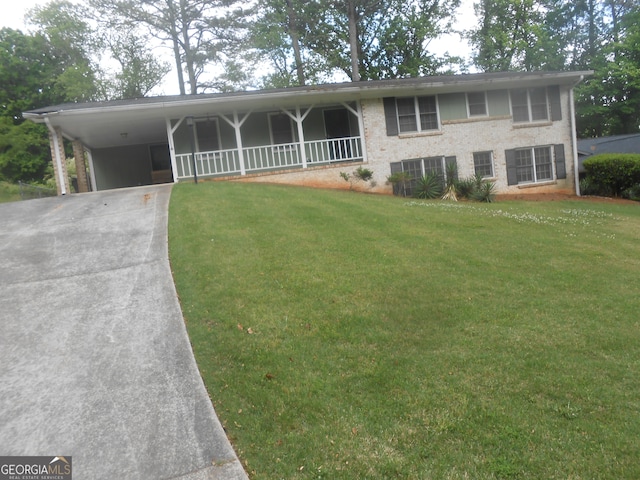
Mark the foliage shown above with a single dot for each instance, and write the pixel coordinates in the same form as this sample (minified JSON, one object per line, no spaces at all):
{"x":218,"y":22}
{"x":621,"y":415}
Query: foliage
{"x":466,"y":186}
{"x":201,"y":33}
{"x":72,"y":43}
{"x":608,"y":103}
{"x":429,"y":186}
{"x":139,"y":72}
{"x":510,"y":36}
{"x":399,"y":180}
{"x":451,"y":180}
{"x":374,"y":345}
{"x":484,"y":192}
{"x":360,"y":174}
{"x":9,"y":192}
{"x":24,"y":151}
{"x":363,"y":174}
{"x":612,"y":172}
{"x":356,"y":39}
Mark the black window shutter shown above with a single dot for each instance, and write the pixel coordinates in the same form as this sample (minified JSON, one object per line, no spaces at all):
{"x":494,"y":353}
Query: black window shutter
{"x":554,"y":102}
{"x":451,"y":161}
{"x":512,"y":171}
{"x":561,"y":168}
{"x":390,"y":115}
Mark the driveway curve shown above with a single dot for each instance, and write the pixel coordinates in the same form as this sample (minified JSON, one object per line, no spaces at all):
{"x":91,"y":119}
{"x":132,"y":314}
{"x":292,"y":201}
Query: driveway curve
{"x":95,"y":361}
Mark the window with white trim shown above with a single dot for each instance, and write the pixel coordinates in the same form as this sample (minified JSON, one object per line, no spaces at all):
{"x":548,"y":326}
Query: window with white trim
{"x":483,"y":164}
{"x":281,"y":128}
{"x":477,"y":104}
{"x":529,"y":105}
{"x":533,"y":164}
{"x":417,"y":114}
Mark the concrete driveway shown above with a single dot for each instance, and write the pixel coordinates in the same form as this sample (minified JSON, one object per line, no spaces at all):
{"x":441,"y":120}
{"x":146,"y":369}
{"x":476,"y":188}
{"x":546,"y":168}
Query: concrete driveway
{"x":95,"y":362}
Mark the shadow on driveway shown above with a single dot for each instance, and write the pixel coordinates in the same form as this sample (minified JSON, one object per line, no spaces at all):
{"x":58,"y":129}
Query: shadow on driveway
{"x":95,"y":362}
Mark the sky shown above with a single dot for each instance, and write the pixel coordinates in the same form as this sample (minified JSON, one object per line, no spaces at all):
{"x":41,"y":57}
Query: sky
{"x":13,"y":12}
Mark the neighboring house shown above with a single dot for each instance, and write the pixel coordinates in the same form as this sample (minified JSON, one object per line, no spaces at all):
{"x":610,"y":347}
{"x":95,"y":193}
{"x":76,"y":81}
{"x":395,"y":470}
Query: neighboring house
{"x":587,"y":147}
{"x":516,"y":129}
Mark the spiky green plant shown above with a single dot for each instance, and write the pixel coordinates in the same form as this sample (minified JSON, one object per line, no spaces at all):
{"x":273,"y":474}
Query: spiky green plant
{"x":429,"y":186}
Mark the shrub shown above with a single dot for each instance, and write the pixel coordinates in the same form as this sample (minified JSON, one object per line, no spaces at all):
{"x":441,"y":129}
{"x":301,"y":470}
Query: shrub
{"x":613,"y":173}
{"x":429,"y":186}
{"x":632,"y":193}
{"x":363,"y":174}
{"x":485,"y":192}
{"x":465,"y":187}
{"x":400,"y":180}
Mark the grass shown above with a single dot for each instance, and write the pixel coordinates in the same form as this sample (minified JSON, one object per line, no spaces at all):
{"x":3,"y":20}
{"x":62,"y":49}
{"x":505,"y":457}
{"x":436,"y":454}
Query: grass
{"x":345,"y":335}
{"x":9,"y":192}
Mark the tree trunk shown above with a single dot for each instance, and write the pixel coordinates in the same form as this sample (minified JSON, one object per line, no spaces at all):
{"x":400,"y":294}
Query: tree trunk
{"x":295,"y":41}
{"x":188,"y":53}
{"x":353,"y":40}
{"x":175,"y":40}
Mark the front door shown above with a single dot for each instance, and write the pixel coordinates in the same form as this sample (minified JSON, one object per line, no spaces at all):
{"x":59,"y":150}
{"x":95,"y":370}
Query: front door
{"x":337,"y":126}
{"x":160,"y":164}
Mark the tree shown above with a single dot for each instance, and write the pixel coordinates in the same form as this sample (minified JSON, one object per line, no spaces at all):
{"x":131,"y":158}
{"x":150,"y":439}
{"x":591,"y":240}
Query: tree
{"x":140,"y":71}
{"x":359,"y":39}
{"x":609,"y":102}
{"x":199,"y":31}
{"x":72,"y":44}
{"x":24,"y":151}
{"x":511,"y":35}
{"x":29,"y":70}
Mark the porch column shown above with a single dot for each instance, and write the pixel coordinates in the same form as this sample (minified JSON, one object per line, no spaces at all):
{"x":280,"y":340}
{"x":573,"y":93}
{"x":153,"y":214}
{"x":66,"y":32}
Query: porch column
{"x":172,"y":147}
{"x":236,"y":123}
{"x":358,"y":113}
{"x":92,"y":172}
{"x":58,"y":158}
{"x":299,"y":118}
{"x":81,"y":166}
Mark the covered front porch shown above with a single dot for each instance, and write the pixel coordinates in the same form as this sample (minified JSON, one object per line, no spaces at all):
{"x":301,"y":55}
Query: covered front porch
{"x":241,"y":143}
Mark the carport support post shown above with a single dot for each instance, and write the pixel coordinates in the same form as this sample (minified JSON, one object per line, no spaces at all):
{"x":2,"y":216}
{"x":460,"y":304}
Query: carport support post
{"x":58,"y":156}
{"x":81,"y":166}
{"x":193,"y":148}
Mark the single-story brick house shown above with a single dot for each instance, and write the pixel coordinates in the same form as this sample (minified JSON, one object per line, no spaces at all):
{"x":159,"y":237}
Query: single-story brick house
{"x":516,"y":129}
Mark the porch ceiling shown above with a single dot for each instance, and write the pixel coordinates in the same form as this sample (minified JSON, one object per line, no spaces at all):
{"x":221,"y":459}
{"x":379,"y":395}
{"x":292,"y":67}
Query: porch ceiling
{"x":143,"y":121}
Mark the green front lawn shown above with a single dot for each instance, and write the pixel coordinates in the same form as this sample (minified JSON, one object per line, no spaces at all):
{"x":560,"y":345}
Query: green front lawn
{"x":345,"y":335}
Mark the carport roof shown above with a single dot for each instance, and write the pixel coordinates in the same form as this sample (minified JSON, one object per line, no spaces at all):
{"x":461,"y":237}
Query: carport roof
{"x":102,"y":124}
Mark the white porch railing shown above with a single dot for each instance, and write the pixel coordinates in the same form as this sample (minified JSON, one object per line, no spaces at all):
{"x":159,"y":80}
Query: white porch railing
{"x":270,"y":157}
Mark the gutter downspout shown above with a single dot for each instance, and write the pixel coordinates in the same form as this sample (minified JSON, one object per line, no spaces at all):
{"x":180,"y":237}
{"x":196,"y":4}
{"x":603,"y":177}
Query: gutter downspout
{"x":574,"y":138}
{"x":56,"y":147}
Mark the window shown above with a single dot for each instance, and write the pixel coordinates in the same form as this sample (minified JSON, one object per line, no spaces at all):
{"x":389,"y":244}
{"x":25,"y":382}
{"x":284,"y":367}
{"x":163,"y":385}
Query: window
{"x":533,"y":164}
{"x":477,"y":103}
{"x":483,"y":164}
{"x":207,"y":135}
{"x":417,"y":114}
{"x":529,"y":105}
{"x":281,"y":128}
{"x":417,"y":168}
